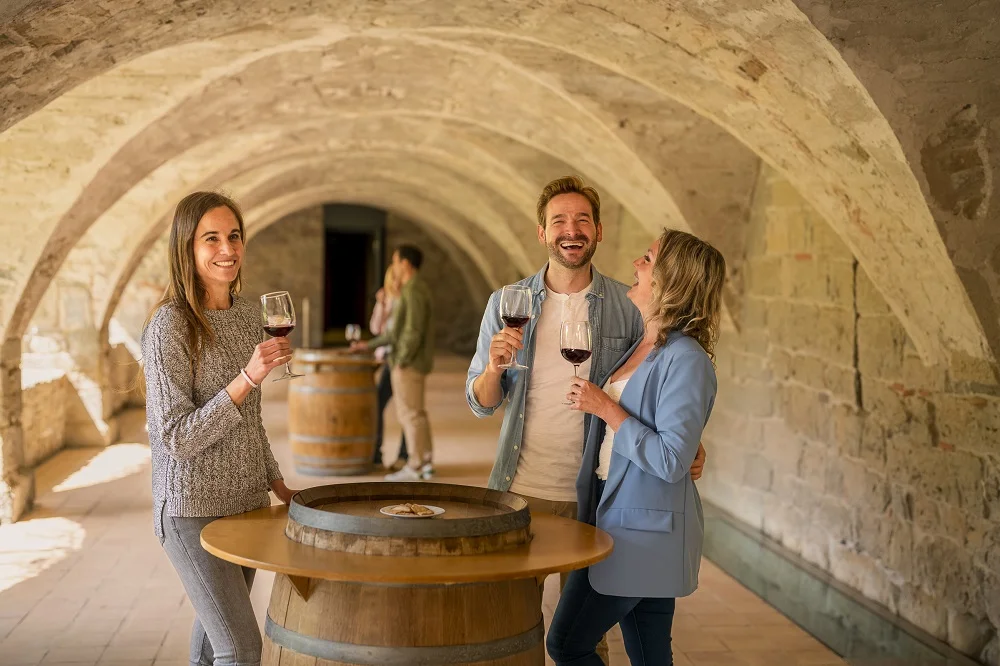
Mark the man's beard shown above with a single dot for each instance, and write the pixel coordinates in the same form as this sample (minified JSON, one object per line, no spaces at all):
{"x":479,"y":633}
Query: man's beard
{"x":555,"y":252}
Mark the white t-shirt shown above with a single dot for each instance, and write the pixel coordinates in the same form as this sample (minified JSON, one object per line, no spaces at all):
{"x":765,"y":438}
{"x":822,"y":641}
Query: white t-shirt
{"x":614,"y":391}
{"x":552,"y":442}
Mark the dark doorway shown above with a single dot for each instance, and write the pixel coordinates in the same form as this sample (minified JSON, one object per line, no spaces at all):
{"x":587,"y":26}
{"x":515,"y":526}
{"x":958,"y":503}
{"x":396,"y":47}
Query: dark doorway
{"x":355,"y":237}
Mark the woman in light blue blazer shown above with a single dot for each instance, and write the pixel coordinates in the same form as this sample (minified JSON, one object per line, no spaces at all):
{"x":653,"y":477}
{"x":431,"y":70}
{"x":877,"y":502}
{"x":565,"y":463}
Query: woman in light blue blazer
{"x":635,"y":482}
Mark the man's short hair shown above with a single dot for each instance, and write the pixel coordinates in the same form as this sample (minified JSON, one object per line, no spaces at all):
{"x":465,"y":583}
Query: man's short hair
{"x":412,"y":254}
{"x":568,"y":185}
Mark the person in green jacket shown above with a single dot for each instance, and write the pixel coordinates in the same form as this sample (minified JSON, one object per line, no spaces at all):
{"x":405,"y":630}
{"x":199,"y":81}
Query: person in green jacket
{"x":411,"y":359}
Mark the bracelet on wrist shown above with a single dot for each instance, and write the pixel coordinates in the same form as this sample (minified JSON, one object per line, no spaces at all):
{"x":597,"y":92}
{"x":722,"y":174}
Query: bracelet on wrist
{"x":249,"y":381}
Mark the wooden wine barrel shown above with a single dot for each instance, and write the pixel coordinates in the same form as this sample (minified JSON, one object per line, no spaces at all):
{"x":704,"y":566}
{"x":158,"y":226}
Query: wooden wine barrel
{"x":340,"y":623}
{"x":332,"y":412}
{"x":346,"y":518}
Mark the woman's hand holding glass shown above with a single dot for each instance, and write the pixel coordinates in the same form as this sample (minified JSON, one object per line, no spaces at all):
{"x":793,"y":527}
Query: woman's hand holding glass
{"x":268,"y":355}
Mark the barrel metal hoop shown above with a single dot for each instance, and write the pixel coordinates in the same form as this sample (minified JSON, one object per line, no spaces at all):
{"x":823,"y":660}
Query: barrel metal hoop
{"x":382,"y":655}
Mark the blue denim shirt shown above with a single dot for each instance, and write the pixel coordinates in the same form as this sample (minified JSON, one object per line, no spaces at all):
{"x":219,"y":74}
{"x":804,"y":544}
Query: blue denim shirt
{"x":615,"y":325}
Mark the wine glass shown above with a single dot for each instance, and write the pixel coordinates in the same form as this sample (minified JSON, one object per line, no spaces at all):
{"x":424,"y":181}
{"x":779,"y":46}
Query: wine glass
{"x":353,"y":332}
{"x":279,"y":320}
{"x":515,"y":311}
{"x":574,"y":344}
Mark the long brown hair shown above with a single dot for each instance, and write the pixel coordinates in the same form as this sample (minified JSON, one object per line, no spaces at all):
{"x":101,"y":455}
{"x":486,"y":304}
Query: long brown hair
{"x":688,"y":275}
{"x":185,"y":289}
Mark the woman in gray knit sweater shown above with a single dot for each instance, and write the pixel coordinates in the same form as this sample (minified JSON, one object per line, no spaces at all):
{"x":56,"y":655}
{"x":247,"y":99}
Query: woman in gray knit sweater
{"x":203,"y":361}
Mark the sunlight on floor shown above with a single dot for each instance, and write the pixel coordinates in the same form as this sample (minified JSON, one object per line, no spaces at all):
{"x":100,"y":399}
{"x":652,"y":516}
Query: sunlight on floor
{"x":114,"y":462}
{"x":30,"y":547}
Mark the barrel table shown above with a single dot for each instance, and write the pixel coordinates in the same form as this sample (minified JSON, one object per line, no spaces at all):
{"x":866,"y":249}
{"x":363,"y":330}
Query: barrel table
{"x":332,"y":412}
{"x":359,"y":588}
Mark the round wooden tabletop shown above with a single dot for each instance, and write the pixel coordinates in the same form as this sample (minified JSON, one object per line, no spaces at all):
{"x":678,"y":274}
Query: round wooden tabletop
{"x":257,"y":539}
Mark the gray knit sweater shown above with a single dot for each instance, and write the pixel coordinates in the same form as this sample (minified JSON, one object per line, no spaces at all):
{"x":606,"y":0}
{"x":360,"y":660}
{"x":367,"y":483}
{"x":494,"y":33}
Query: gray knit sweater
{"x":209,"y":457}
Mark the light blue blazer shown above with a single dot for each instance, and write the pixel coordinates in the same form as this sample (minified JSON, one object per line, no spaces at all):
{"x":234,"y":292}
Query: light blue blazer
{"x":650,"y":505}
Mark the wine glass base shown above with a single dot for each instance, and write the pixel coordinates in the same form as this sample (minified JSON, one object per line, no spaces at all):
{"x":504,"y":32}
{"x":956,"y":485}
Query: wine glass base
{"x":290,"y":375}
{"x":513,"y":366}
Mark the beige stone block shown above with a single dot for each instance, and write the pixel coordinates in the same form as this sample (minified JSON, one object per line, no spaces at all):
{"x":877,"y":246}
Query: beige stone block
{"x":964,"y":368}
{"x":848,"y":424}
{"x":758,"y":473}
{"x":924,"y":611}
{"x":764,"y":276}
{"x":968,"y":633}
{"x":881,"y":344}
{"x":751,"y":366}
{"x":822,"y":375}
{"x":944,"y":570}
{"x":869,"y":299}
{"x":807,"y":411}
{"x":754,"y":398}
{"x":812,"y":465}
{"x":865,"y":574}
{"x":821,"y":331}
{"x":818,"y":279}
{"x":859,"y":485}
{"x":968,"y":422}
{"x":824,"y":241}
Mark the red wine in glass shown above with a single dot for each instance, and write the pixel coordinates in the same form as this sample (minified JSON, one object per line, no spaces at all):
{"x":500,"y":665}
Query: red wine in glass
{"x":278,"y":331}
{"x":575,"y":344}
{"x":278,"y":320}
{"x":576,"y":356}
{"x":515,"y":311}
{"x":514,"y":321}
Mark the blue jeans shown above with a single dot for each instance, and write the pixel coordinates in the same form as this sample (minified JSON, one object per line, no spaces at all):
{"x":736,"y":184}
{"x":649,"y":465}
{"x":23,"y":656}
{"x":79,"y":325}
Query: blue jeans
{"x":584,"y":615}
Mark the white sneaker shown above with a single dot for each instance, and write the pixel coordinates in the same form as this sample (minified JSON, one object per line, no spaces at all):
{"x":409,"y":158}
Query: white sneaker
{"x":405,"y":474}
{"x":427,"y":472}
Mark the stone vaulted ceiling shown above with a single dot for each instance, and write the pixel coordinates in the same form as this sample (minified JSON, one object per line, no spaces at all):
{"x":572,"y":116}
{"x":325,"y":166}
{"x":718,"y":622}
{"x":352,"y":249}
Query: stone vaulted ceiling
{"x":454,"y":113}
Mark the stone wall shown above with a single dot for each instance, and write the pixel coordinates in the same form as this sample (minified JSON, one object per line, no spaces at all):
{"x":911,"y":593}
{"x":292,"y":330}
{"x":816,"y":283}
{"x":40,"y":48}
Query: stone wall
{"x":43,"y":418}
{"x":460,"y":291}
{"x":289,"y":255}
{"x":831,"y":436}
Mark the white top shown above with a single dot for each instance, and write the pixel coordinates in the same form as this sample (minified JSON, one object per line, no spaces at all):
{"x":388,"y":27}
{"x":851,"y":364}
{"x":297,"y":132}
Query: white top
{"x":552,"y":442}
{"x":614,"y":391}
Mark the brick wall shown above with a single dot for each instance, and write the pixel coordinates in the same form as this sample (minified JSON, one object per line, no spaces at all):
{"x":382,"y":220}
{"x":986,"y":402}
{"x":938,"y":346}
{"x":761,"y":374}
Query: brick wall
{"x":832,"y":437}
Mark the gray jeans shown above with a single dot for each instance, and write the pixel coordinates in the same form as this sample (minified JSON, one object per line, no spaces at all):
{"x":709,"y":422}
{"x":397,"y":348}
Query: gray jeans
{"x":225,"y":630}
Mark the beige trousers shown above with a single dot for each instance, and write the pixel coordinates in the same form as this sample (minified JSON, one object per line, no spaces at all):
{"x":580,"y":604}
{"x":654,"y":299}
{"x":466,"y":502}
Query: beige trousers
{"x":563,"y":510}
{"x":408,"y":393}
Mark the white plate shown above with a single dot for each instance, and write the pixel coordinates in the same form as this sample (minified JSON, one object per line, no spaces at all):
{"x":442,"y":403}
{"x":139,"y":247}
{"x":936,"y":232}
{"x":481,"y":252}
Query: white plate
{"x":385,"y":511}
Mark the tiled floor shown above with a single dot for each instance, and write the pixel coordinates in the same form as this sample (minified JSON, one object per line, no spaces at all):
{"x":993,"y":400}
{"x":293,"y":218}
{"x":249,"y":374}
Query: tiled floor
{"x":83,"y":579}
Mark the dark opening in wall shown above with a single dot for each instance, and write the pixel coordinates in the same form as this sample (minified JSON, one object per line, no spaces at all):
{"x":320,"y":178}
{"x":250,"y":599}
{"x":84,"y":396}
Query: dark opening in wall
{"x":355,"y":264}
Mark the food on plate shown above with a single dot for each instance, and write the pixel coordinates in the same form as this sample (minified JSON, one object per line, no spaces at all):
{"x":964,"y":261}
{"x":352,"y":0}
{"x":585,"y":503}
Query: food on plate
{"x":410,"y":509}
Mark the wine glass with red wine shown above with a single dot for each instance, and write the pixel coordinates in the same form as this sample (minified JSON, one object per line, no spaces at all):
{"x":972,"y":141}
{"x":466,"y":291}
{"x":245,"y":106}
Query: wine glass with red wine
{"x":515,"y":311}
{"x":279,"y":320}
{"x":574,"y":343}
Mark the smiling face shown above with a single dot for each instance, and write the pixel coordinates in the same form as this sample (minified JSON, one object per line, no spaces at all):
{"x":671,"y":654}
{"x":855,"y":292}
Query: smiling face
{"x":570,"y":234}
{"x":641,"y":293}
{"x":218,"y":247}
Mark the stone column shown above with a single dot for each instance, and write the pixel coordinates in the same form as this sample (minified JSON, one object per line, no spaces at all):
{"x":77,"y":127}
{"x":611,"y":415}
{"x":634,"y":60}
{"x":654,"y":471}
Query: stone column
{"x":17,"y":483}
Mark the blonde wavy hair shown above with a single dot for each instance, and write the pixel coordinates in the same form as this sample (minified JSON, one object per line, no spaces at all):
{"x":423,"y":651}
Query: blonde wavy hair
{"x":390,"y":284}
{"x":688,"y":275}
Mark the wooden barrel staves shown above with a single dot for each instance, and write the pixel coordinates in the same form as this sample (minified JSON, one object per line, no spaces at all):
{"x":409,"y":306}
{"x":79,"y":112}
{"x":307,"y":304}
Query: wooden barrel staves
{"x":332,"y":412}
{"x":335,"y":623}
